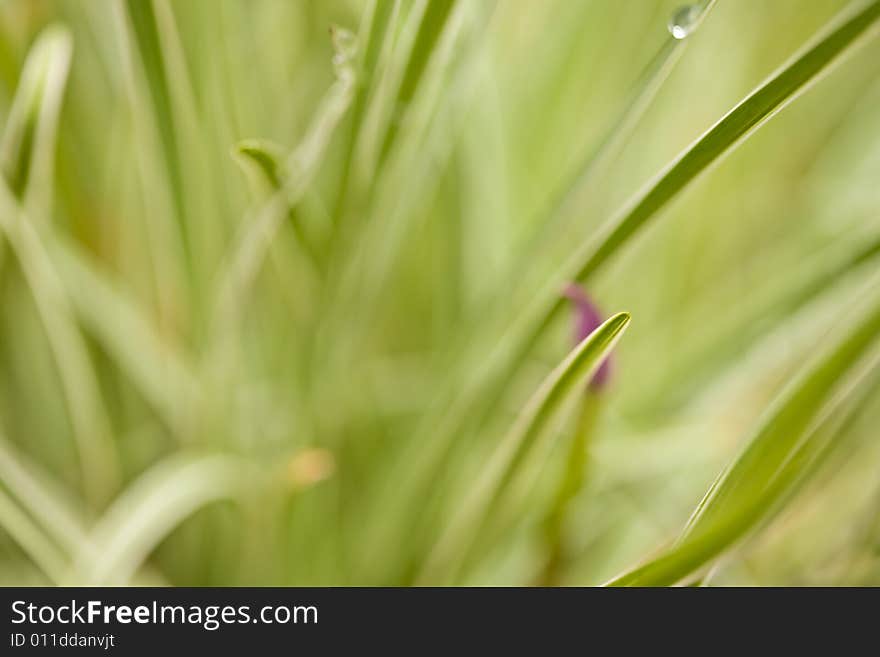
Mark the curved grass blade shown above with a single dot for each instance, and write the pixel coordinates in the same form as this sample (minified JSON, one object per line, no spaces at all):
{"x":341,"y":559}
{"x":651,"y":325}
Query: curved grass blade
{"x":816,"y":58}
{"x":32,"y":541}
{"x":801,"y":423}
{"x":28,"y":145}
{"x":477,"y":395}
{"x":762,"y":104}
{"x":160,"y":372}
{"x":151,"y":507}
{"x":263,"y":158}
{"x":88,"y":416}
{"x":702,"y":552}
{"x":531,"y":427}
{"x":767,"y":307}
{"x":297,"y":174}
{"x":645,"y":89}
{"x":265,"y":161}
{"x":41,"y":91}
{"x":41,"y":500}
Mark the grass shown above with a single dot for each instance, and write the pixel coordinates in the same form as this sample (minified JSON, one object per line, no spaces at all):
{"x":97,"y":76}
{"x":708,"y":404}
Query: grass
{"x":283,"y":293}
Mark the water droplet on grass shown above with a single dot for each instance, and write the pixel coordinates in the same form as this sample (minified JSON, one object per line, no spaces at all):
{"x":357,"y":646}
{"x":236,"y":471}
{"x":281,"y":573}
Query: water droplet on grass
{"x":685,"y":20}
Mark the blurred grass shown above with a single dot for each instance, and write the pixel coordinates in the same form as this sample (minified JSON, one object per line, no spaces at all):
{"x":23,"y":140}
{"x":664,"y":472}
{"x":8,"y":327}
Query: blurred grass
{"x":264,"y":263}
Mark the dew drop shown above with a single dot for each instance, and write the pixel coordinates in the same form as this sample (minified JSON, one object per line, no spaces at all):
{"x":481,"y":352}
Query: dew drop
{"x":685,"y":20}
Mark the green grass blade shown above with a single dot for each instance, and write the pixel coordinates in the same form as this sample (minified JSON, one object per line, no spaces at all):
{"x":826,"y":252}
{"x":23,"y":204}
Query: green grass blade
{"x":144,"y":25}
{"x":565,"y":382}
{"x":263,"y":160}
{"x":840,"y":36}
{"x":149,"y":508}
{"x":373,"y":35}
{"x":28,"y":146}
{"x":40,"y":94}
{"x":297,"y":174}
{"x":769,"y":306}
{"x":266,"y":163}
{"x":32,"y":541}
{"x":88,"y":416}
{"x":700,"y":552}
{"x":41,"y":500}
{"x":793,"y":413}
{"x":762,"y":104}
{"x":585,"y":174}
{"x":433,"y":22}
{"x":160,"y":372}
{"x":776,"y":456}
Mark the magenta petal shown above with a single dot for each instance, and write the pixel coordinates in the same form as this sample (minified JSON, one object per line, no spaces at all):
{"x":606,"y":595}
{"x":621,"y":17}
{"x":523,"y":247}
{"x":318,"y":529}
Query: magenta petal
{"x":587,"y":319}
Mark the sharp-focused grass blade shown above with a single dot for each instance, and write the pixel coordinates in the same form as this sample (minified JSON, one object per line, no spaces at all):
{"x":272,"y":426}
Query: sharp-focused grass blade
{"x":585,"y":174}
{"x":768,"y":307}
{"x":774,"y":459}
{"x":502,"y":362}
{"x":373,"y":314}
{"x":756,"y":108}
{"x":567,"y":380}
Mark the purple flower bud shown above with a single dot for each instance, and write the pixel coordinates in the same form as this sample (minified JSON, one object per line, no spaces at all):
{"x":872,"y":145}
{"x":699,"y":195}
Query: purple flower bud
{"x":587,"y":319}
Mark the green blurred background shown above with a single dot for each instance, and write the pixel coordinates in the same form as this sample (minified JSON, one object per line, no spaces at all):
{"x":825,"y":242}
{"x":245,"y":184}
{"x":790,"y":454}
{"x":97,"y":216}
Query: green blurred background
{"x":206,"y":389}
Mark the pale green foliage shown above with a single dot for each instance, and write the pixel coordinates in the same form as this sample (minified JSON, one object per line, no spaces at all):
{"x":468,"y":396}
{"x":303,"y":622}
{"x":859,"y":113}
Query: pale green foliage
{"x":282,"y":291}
